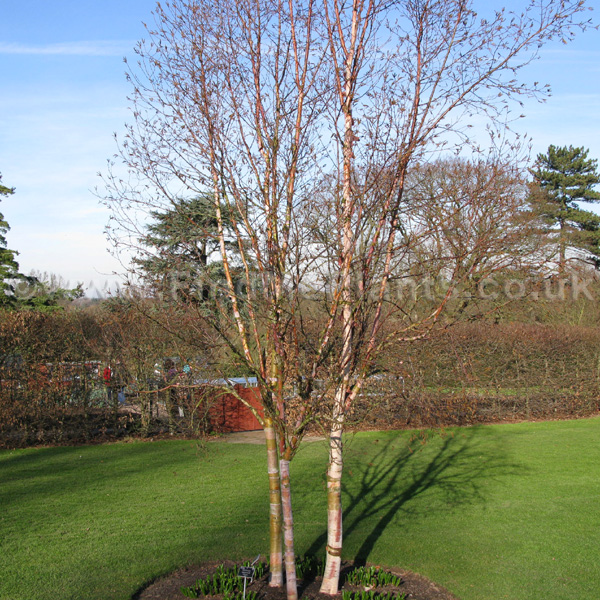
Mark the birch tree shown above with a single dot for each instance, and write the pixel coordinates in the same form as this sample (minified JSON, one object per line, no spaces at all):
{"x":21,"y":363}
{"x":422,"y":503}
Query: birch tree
{"x":409,"y":77}
{"x":304,"y":120}
{"x":228,"y":99}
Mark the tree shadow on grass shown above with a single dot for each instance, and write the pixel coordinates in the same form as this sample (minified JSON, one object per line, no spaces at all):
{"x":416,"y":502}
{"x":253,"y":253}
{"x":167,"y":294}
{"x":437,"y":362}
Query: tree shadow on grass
{"x":42,"y":474}
{"x":143,"y":529}
{"x":384,"y":480}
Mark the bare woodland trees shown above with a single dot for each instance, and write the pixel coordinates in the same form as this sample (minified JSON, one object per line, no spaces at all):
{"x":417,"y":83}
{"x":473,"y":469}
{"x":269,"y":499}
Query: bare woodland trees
{"x":307,"y":122}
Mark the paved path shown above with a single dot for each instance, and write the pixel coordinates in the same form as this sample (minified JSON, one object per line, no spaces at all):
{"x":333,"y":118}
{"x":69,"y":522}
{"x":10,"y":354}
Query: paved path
{"x":254,"y":437}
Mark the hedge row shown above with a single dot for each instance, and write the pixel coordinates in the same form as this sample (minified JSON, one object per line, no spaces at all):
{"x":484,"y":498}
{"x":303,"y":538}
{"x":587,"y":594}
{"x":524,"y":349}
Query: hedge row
{"x":52,"y":387}
{"x":481,"y":373}
{"x":52,"y":390}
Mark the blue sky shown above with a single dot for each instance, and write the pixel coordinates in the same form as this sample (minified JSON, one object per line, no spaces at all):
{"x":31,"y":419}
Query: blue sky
{"x":64,"y":95}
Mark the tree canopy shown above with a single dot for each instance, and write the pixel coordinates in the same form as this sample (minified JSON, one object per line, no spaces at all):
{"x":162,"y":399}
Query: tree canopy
{"x":306,"y":120}
{"x":179,"y":247}
{"x":45,"y":292}
{"x":565,"y":176}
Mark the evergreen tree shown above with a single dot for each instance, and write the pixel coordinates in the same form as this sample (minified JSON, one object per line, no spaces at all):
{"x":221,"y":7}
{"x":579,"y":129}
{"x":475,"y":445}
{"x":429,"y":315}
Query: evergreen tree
{"x":45,"y":292}
{"x":564,"y":177}
{"x":178,"y":246}
{"x":18,"y":291}
{"x":9,"y":268}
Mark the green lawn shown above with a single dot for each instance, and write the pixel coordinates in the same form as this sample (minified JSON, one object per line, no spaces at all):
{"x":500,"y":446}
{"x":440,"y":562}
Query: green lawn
{"x":493,"y":512}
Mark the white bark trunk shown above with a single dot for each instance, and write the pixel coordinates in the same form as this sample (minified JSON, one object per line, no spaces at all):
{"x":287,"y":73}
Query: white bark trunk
{"x":333,"y":554}
{"x":288,"y":531}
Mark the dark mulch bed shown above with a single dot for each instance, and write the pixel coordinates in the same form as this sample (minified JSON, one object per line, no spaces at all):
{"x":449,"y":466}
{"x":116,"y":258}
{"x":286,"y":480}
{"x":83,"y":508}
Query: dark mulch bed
{"x":414,"y":586}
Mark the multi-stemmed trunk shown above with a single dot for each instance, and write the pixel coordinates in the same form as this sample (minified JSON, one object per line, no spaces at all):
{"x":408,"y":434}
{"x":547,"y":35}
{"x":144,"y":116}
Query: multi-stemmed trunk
{"x":280,"y":505}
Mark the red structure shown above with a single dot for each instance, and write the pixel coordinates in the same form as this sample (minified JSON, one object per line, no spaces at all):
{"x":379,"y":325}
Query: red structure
{"x":227,"y":413}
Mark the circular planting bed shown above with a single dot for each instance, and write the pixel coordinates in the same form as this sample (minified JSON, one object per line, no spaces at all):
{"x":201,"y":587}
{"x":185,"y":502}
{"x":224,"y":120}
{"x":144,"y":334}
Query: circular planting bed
{"x":219,"y":581}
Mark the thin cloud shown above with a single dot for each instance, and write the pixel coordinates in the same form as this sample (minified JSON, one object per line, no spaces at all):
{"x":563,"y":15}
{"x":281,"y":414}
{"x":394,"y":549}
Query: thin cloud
{"x":90,"y":48}
{"x":566,"y":56}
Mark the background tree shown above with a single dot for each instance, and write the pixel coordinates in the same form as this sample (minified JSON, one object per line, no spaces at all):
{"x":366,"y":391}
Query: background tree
{"x":474,"y":220}
{"x":45,"y":292}
{"x":9,"y":267}
{"x":178,"y":250}
{"x":18,"y":291}
{"x":564,"y":176}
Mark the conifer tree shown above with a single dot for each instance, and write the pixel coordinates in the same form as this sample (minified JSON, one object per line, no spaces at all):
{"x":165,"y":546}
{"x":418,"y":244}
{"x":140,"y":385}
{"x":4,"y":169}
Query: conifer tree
{"x":9,"y":268}
{"x":27,"y":292}
{"x":177,"y":247}
{"x":565,"y":176}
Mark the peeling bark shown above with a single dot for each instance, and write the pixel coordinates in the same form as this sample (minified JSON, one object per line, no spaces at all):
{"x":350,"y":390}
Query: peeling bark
{"x":333,"y":553}
{"x":288,"y":531}
{"x":275,"y":507}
